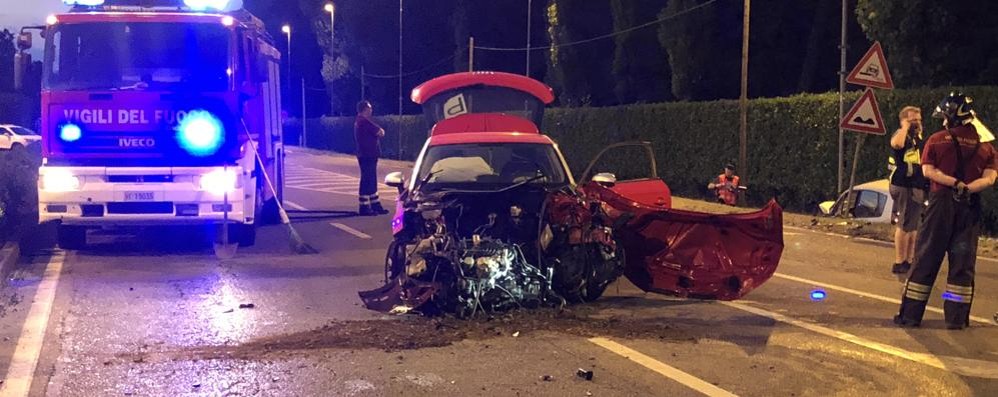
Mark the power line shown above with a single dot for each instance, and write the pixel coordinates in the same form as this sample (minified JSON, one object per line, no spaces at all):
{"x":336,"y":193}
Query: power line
{"x":606,"y":36}
{"x":415,"y":72}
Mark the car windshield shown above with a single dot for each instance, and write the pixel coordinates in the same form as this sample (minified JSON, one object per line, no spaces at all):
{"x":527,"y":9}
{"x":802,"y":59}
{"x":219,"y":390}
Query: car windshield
{"x":490,"y":166}
{"x":135,"y":56}
{"x":23,"y":131}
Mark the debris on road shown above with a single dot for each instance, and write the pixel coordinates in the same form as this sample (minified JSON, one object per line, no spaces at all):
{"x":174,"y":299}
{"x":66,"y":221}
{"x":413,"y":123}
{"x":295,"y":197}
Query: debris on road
{"x":247,"y":306}
{"x":584,"y":374}
{"x":547,"y":378}
{"x":516,"y":334}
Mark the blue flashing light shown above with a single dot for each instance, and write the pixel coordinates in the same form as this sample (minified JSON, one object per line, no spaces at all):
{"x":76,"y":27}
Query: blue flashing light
{"x":201,"y":5}
{"x":88,"y":3}
{"x":200,"y":133}
{"x":818,"y":295}
{"x":70,"y":132}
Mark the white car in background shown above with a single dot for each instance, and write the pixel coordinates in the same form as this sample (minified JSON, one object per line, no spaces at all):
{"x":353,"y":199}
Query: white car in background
{"x":871,"y":202}
{"x":14,"y":137}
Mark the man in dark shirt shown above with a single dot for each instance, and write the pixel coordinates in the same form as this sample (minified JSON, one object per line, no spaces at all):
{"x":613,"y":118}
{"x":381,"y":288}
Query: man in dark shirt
{"x":907,"y":187}
{"x":368,"y":136}
{"x":960,"y":167}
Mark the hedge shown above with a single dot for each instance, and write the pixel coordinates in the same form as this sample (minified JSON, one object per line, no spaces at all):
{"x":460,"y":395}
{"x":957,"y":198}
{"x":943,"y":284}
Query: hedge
{"x":792,"y":141}
{"x":18,"y":191}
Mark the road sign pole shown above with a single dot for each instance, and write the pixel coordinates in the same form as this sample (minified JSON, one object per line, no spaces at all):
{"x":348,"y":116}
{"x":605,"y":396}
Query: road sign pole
{"x":842,"y":90}
{"x":852,"y":176}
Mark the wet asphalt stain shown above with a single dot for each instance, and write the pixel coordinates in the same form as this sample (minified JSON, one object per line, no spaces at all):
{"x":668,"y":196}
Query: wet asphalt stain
{"x":413,"y":332}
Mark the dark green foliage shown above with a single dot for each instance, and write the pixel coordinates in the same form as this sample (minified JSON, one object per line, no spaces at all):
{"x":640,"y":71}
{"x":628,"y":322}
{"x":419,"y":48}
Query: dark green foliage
{"x":640,"y":64}
{"x":580,"y":73}
{"x":7,"y":51}
{"x":933,"y":43}
{"x":705,"y":61}
{"x":18,"y":191}
{"x":792,"y":141}
{"x":15,"y":109}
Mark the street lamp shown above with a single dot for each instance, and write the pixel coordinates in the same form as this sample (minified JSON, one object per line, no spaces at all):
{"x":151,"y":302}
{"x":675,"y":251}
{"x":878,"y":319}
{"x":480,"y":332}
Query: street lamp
{"x":287,"y":32}
{"x":331,"y":9}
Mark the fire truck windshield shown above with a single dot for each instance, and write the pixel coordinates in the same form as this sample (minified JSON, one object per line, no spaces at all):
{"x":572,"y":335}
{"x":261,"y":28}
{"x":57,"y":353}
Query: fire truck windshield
{"x":138,"y":56}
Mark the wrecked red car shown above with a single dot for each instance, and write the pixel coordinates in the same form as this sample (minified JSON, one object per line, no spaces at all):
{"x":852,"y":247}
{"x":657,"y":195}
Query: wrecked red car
{"x":492,"y":219}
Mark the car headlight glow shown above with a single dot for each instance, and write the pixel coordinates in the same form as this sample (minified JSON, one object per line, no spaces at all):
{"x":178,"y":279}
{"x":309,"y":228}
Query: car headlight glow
{"x":70,"y":132}
{"x":200,"y":133}
{"x":219,"y":182}
{"x":201,"y":5}
{"x":59,"y":181}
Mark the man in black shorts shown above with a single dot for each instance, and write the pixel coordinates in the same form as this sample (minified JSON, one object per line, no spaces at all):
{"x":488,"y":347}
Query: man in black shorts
{"x":907,"y":187}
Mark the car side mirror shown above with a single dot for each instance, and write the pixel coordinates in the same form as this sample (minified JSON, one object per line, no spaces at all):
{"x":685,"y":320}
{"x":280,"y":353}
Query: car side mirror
{"x":826,"y":207}
{"x":395,"y":180}
{"x":606,"y":179}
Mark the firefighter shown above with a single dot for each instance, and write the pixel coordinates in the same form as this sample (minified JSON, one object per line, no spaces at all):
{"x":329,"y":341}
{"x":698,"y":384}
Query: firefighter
{"x":368,"y":135}
{"x":726,"y":186}
{"x":960,"y":163}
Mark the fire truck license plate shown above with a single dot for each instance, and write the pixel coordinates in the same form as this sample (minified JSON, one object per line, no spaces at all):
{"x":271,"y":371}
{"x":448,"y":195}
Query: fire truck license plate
{"x":140,"y":196}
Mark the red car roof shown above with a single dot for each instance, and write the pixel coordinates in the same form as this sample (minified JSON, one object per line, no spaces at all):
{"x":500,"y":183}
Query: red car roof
{"x":489,"y":137}
{"x":449,"y":82}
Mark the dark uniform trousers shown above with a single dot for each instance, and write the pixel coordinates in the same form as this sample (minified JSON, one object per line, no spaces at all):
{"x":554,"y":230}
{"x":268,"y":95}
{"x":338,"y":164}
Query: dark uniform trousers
{"x":950,"y":228}
{"x":369,"y":182}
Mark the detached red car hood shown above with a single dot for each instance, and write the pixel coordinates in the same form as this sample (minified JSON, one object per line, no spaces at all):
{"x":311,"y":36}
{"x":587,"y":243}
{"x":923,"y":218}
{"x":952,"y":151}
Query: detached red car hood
{"x":695,"y":255}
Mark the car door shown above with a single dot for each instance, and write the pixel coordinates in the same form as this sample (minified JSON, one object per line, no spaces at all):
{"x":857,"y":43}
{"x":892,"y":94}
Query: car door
{"x":6,"y":139}
{"x":689,"y":254}
{"x":635,"y":171}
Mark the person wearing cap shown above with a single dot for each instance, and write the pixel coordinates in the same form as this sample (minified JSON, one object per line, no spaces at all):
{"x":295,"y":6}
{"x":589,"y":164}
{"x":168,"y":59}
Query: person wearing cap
{"x":726,"y":186}
{"x":960,"y":162}
{"x":907,"y":187}
{"x":368,"y":135}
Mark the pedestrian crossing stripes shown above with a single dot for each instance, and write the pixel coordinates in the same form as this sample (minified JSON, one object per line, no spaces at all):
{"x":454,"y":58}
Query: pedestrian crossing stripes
{"x":316,"y":180}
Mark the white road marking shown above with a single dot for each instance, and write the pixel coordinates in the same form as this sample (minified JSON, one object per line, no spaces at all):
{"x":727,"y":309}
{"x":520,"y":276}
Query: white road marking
{"x":865,"y":294}
{"x":958,"y":365}
{"x":357,"y":233}
{"x":29,"y":345}
{"x":295,"y":206}
{"x":661,"y":368}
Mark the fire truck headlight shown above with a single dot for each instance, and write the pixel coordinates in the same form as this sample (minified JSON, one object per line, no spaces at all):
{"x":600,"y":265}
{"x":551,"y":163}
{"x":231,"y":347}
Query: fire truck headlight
{"x":219,"y":182}
{"x":200,"y":133}
{"x":70,"y":132}
{"x":90,"y":3}
{"x":59,"y":181}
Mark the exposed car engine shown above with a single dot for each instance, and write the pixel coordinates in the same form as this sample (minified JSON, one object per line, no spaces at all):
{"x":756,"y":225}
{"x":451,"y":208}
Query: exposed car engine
{"x":471,"y":252}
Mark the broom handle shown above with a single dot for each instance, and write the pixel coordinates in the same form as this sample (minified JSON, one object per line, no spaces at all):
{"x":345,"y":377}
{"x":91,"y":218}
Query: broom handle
{"x":284,"y":214}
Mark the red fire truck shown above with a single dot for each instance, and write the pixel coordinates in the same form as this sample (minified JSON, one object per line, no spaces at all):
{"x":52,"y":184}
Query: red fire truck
{"x":158,"y":113}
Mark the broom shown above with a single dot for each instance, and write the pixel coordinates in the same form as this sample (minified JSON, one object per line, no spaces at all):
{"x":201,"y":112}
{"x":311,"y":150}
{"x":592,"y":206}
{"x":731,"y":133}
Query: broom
{"x":298,"y":244}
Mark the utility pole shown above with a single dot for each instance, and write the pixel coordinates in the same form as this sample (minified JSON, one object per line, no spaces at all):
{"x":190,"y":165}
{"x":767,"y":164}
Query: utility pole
{"x":842,"y":89}
{"x":400,"y":83}
{"x":530,"y":13}
{"x":743,"y":99}
{"x":471,"y":54}
{"x":363,"y":83}
{"x":304,"y":116}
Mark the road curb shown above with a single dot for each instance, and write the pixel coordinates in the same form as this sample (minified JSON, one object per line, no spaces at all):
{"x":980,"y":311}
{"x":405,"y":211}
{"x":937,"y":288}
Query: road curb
{"x":10,"y":254}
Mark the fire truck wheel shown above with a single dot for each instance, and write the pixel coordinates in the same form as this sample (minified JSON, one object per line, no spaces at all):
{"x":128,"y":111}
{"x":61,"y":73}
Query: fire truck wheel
{"x":71,"y":237}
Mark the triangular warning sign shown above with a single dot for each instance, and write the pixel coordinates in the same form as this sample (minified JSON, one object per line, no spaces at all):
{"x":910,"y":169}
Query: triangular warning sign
{"x":865,"y":116}
{"x":872,"y":71}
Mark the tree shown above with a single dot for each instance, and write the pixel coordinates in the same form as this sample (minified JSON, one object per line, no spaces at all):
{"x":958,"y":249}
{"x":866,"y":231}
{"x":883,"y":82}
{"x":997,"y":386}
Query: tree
{"x":640,"y":64}
{"x":932,"y":43}
{"x":7,"y":51}
{"x":580,"y":73}
{"x":702,"y":52}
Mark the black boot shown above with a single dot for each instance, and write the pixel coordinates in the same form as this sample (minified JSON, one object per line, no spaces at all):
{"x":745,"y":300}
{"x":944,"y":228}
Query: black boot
{"x":377,"y":209}
{"x":366,"y":210}
{"x":901,"y":268}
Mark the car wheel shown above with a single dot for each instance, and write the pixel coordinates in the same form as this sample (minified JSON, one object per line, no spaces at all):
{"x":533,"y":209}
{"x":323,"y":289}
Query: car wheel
{"x":71,"y":237}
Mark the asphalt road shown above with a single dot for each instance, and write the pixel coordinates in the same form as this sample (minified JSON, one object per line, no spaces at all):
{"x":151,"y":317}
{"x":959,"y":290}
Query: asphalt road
{"x":156,"y":314}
